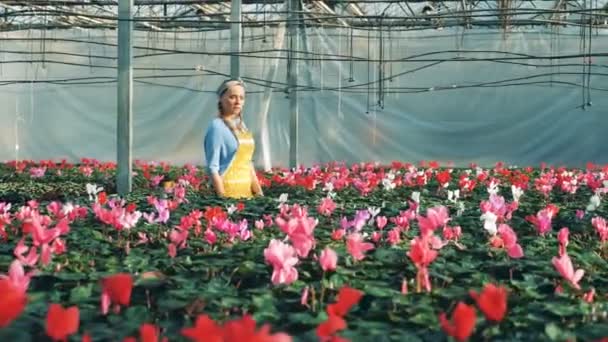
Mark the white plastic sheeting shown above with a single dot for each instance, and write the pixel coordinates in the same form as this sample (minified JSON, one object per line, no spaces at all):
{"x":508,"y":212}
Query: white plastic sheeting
{"x":436,"y":106}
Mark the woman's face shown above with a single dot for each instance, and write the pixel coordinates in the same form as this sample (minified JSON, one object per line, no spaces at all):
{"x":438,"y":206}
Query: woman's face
{"x":233,"y":100}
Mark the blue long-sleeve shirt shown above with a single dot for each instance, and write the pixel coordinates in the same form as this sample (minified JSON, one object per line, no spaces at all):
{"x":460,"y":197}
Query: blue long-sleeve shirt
{"x":220,"y":146}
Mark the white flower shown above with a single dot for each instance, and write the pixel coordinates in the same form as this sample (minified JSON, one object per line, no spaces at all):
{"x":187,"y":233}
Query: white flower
{"x":329,"y":187}
{"x":594,"y":203}
{"x":517,"y":192}
{"x":493,"y":188}
{"x":231,"y":209}
{"x":460,"y":208}
{"x":388,"y":184}
{"x":373,"y":211}
{"x":283,"y":198}
{"x":489,"y":223}
{"x":93,"y":190}
{"x":453,"y":195}
{"x":416,"y":196}
{"x":67,"y":208}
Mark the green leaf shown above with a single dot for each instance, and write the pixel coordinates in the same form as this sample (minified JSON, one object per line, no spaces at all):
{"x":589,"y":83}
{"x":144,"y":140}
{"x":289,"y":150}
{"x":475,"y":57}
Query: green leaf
{"x":81,"y":294}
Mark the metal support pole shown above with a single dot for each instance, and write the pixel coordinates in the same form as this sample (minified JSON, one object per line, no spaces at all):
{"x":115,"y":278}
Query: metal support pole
{"x":292,"y":81}
{"x":125,"y":97}
{"x":236,"y":30}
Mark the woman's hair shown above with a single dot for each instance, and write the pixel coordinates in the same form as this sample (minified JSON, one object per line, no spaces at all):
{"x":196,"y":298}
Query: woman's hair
{"x":220,"y":92}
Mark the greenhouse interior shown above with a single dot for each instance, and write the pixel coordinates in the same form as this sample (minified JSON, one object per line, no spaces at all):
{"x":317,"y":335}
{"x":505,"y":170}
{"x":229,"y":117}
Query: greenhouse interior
{"x":338,"y":170}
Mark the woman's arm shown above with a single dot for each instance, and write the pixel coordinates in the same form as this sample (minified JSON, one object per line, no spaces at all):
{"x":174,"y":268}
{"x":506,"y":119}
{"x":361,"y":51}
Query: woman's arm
{"x":218,"y":184}
{"x":255,"y":183}
{"x":212,"y":153}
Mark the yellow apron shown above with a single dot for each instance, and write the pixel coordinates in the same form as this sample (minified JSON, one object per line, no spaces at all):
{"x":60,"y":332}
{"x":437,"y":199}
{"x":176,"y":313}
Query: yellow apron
{"x":237,"y":178}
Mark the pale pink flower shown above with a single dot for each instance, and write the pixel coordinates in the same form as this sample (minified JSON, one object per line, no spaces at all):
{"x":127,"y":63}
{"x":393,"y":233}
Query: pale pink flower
{"x":509,"y":239}
{"x":283,"y":258}
{"x":564,"y":267}
{"x":356,"y":247}
{"x":328,"y":259}
{"x":259,"y":224}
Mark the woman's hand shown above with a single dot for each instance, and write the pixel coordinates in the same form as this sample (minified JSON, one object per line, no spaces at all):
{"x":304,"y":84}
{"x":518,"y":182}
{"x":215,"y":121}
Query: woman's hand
{"x":218,"y":184}
{"x":256,"y":189}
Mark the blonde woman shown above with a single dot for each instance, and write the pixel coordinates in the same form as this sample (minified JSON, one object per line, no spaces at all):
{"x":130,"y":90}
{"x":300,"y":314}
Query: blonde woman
{"x":229,"y":146}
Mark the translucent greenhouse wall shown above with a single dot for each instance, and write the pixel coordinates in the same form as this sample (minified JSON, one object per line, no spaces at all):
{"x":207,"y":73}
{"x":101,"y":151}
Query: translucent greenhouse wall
{"x":432,"y":106}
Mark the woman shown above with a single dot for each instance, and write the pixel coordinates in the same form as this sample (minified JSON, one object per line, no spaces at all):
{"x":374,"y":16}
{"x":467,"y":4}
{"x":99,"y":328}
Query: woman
{"x":229,"y":146}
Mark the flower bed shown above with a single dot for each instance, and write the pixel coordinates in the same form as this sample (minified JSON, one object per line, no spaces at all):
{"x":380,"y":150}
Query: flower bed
{"x":361,"y":252}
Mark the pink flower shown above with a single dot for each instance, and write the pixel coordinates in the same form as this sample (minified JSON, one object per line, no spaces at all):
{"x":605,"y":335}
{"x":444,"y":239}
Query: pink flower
{"x":327,"y":206}
{"x":509,"y":238}
{"x":304,"y":297}
{"x":338,"y":234}
{"x":562,"y":237}
{"x":542,"y":220}
{"x":394,"y":236}
{"x":381,"y":222}
{"x":376,"y":236}
{"x":599,"y":223}
{"x":564,"y":267}
{"x":282,"y":257}
{"x":300,"y":231}
{"x":356,"y":247}
{"x":435,"y":217}
{"x":420,"y":253}
{"x":404,"y":286}
{"x":589,"y":296}
{"x":328,"y":259}
{"x":17,"y":276}
{"x":580,"y":214}
{"x":452,"y":233}
{"x":259,"y":224}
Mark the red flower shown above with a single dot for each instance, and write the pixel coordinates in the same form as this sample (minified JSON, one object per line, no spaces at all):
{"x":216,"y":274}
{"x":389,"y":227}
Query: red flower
{"x":240,"y":330}
{"x":102,"y":198}
{"x":204,"y":329}
{"x":147,"y":333}
{"x":462,"y":324}
{"x":12,"y":302}
{"x":492,"y":301}
{"x":61,"y":323}
{"x":331,"y":326}
{"x":347,"y":298}
{"x":116,"y":289}
{"x":240,"y":206}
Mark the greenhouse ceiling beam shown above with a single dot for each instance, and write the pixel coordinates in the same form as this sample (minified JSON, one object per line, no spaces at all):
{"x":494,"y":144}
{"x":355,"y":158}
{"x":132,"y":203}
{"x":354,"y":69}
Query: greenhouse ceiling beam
{"x":124,"y":131}
{"x":411,"y":24}
{"x":208,"y":2}
{"x":60,"y":20}
{"x":323,"y":6}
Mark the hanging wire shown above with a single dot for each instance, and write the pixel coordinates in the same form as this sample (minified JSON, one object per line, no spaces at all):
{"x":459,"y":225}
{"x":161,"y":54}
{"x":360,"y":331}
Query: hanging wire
{"x":369,"y":45}
{"x":589,"y":103}
{"x":381,"y":67}
{"x":582,"y":49}
{"x":351,"y":78}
